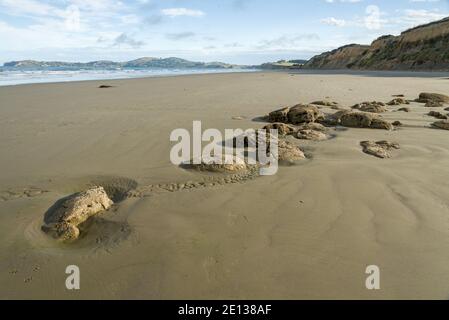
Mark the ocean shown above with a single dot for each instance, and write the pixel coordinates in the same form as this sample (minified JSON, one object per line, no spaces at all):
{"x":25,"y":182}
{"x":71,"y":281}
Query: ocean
{"x":10,"y":77}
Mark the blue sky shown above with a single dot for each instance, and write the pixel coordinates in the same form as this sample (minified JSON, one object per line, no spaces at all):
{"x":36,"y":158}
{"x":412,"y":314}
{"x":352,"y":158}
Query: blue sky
{"x":236,"y":31}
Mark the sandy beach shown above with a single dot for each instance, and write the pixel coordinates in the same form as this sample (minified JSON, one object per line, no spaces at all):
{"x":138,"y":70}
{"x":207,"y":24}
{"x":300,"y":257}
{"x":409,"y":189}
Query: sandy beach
{"x":308,"y":232}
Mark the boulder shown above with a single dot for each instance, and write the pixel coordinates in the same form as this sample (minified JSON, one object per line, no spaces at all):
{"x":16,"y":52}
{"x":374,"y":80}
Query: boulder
{"x":398,"y":102}
{"x":282,"y":128}
{"x":373,"y":107}
{"x":435,"y":97}
{"x":288,"y":152}
{"x":304,"y":114}
{"x":313,"y":126}
{"x":404,"y":109}
{"x":397,"y":124}
{"x":280,"y":115}
{"x":380,"y":149}
{"x":62,"y":220}
{"x":437,"y":115}
{"x":364,"y":120}
{"x":442,"y":124}
{"x":312,"y":135}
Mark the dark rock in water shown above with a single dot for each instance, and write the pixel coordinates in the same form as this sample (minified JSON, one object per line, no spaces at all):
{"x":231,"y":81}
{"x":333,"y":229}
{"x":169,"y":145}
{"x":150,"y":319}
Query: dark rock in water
{"x":380,"y":149}
{"x":437,"y":115}
{"x":61,"y":221}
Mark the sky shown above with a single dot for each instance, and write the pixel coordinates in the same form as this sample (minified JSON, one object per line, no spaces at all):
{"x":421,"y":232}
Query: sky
{"x":233,"y":31}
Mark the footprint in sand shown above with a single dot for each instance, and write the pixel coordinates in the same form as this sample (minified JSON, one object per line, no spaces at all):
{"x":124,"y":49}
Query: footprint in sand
{"x":14,"y":194}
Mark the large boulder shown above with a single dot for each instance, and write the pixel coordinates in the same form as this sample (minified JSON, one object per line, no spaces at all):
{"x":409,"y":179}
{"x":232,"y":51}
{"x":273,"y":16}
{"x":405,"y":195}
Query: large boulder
{"x":373,"y":107}
{"x":442,"y":124}
{"x":364,"y":120}
{"x":435,"y":97}
{"x":304,"y":114}
{"x":380,"y":149}
{"x":62,"y":220}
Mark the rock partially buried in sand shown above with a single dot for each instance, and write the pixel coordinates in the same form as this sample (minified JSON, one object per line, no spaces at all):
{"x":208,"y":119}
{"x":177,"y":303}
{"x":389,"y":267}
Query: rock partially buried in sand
{"x":432,"y":97}
{"x":214,"y":165}
{"x":397,"y":124}
{"x":398,"y":102}
{"x":437,"y":115}
{"x":304,"y":114}
{"x":312,"y":135}
{"x":282,"y":128}
{"x":288,"y":152}
{"x":442,"y":124}
{"x":404,"y":109}
{"x":62,"y":220}
{"x":313,"y":126}
{"x":326,"y":103}
{"x":434,"y":104}
{"x":363,"y":120}
{"x":380,"y":149}
{"x":373,"y":107}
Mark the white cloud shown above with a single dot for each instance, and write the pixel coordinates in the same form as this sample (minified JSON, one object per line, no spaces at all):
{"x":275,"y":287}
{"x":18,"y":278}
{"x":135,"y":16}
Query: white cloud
{"x":178,"y":12}
{"x":334,"y":22}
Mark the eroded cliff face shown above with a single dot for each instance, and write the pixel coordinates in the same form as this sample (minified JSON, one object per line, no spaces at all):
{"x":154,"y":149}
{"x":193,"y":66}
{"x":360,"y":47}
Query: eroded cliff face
{"x":422,"y":48}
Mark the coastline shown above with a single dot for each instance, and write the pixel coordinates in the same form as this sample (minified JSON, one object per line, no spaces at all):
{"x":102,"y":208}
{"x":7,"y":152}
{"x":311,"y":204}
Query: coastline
{"x":325,"y":219}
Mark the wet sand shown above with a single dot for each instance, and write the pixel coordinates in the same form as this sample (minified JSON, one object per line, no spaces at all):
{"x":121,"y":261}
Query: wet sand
{"x":308,"y":232}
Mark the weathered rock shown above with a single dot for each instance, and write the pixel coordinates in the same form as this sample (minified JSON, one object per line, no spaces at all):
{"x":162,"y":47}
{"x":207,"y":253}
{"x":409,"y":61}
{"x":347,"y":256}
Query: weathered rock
{"x":311,"y":135}
{"x":397,"y":124}
{"x":442,"y":124}
{"x":404,"y":109}
{"x":62,"y":220}
{"x":398,"y":102}
{"x":364,"y":120}
{"x":435,"y":97}
{"x":313,"y":126}
{"x":218,"y":165}
{"x":304,"y":114}
{"x":335,"y":119}
{"x":288,"y":152}
{"x":373,"y":107}
{"x":446,"y":109}
{"x":437,"y":115}
{"x":283,"y":129}
{"x":434,"y":104}
{"x":380,"y":149}
{"x":326,"y":103}
{"x":280,"y":115}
